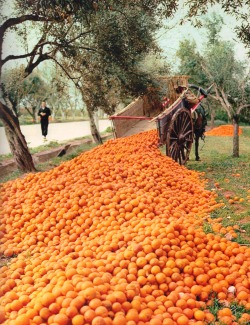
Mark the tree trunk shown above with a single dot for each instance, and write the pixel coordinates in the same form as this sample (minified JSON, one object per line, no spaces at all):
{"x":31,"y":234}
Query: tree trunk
{"x":94,"y":131}
{"x":96,"y":119}
{"x":236,"y":145}
{"x":62,"y":113}
{"x":212,"y":117}
{"x":34,"y":117}
{"x":17,"y":142}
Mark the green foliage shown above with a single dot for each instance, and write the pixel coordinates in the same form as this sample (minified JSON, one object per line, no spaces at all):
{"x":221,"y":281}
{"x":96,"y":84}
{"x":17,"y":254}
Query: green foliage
{"x":24,"y":93}
{"x":215,"y":306}
{"x":108,"y":129}
{"x":213,"y":26}
{"x":112,"y":71}
{"x":5,"y":157}
{"x":48,"y":164}
{"x":221,"y":115}
{"x":238,"y":310}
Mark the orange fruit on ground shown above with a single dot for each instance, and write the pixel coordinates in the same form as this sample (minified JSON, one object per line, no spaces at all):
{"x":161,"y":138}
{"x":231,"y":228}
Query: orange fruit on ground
{"x":199,"y":315}
{"x":155,"y":321}
{"x":22,"y":320}
{"x":119,"y":320}
{"x":89,"y":315}
{"x":2,"y":314}
{"x":132,"y":315}
{"x":47,"y":298}
{"x":61,"y":319}
{"x":98,"y":320}
{"x":182,"y":320}
{"x":78,"y":320}
{"x":242,"y":295}
{"x":224,"y":312}
{"x":227,"y":320}
{"x":89,"y":293}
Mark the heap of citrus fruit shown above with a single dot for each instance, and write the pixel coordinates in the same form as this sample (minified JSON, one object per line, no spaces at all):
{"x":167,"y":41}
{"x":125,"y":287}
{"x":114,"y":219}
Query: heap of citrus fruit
{"x":115,"y":237}
{"x":223,"y":130}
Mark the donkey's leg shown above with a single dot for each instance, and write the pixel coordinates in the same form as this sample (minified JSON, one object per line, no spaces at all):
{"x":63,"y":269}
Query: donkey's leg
{"x":197,"y":158}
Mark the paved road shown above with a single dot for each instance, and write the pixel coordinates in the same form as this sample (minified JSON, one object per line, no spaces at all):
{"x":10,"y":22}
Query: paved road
{"x":56,"y":132}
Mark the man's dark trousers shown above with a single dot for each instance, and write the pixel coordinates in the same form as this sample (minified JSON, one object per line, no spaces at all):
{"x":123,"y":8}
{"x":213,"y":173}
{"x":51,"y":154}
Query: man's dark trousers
{"x":44,"y":126}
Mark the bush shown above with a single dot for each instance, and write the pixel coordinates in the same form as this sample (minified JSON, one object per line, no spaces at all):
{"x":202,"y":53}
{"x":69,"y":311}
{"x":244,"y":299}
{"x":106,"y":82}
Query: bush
{"x":221,"y":115}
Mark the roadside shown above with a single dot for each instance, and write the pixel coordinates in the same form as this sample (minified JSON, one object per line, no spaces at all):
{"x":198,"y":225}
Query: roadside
{"x":57,"y":132}
{"x":48,"y":156}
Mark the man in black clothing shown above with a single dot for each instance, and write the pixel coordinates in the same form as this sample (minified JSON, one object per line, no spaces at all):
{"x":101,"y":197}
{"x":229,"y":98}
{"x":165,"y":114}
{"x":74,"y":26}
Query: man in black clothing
{"x":44,"y":113}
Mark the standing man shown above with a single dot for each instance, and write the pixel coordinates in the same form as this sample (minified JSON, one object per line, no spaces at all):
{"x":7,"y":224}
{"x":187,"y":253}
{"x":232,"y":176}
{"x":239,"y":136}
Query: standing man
{"x":44,"y":113}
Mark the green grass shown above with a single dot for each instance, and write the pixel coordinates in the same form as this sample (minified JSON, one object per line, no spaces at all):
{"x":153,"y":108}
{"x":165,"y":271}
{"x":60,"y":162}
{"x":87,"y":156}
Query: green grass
{"x":229,"y":178}
{"x":45,"y":147}
{"x":5,"y":157}
{"x":236,"y":309}
{"x":58,"y":160}
{"x":207,"y":228}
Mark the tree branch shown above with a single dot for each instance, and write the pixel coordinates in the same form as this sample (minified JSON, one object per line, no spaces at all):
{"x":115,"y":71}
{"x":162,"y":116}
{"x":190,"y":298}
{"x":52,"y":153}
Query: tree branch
{"x":66,"y":72}
{"x":214,"y":97}
{"x":240,"y":108}
{"x":16,"y":57}
{"x":224,"y":96}
{"x":19,"y":20}
{"x":220,"y":98}
{"x":32,"y":66}
{"x":77,"y":37}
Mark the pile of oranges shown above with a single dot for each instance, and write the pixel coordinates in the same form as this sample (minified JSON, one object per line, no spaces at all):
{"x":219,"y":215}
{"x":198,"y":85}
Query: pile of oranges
{"x":115,"y":237}
{"x":223,"y":131}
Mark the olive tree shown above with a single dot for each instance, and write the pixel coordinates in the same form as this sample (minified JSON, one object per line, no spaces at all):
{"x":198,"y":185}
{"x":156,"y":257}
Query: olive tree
{"x":217,"y":64}
{"x":53,"y":22}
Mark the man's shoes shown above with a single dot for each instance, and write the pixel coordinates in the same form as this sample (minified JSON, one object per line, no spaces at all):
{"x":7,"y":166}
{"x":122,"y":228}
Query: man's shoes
{"x":44,"y":139}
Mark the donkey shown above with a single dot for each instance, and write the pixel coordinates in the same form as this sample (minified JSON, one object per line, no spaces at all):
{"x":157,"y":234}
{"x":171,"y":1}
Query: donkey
{"x":199,"y":117}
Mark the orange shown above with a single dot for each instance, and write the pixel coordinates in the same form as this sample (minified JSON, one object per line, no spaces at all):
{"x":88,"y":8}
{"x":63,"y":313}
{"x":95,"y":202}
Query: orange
{"x":78,"y":320}
{"x":182,"y":320}
{"x":2,"y":314}
{"x":98,"y":320}
{"x":61,"y":319}
{"x":22,"y":320}
{"x":199,"y":315}
{"x":47,"y":299}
